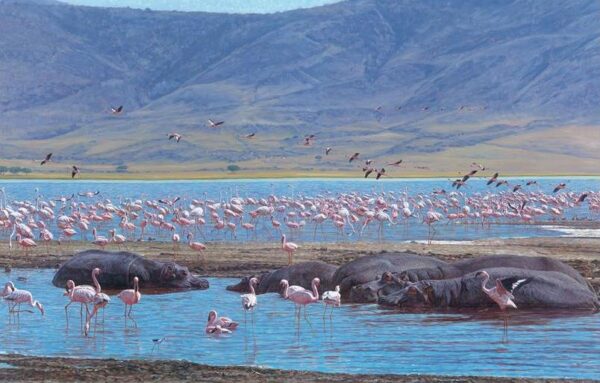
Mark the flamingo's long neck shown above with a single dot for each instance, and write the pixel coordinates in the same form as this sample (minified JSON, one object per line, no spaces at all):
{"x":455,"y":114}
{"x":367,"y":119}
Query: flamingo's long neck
{"x":96,"y":283}
{"x":252,"y":288}
{"x":286,"y":291}
{"x":315,"y":291}
{"x":484,"y":282}
{"x":136,"y":287}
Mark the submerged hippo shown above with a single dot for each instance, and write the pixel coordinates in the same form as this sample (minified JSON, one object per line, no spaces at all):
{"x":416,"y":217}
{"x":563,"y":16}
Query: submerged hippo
{"x":371,"y":267}
{"x":300,"y":274}
{"x":119,"y":269}
{"x":544,"y":289}
{"x":467,"y":266}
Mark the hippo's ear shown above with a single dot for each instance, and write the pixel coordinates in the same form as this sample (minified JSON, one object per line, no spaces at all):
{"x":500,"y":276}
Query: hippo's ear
{"x":412,"y":289}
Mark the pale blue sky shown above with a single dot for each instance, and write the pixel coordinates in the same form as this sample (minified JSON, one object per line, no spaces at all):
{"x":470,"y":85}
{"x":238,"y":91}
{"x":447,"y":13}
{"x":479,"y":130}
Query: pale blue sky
{"x":230,"y":6}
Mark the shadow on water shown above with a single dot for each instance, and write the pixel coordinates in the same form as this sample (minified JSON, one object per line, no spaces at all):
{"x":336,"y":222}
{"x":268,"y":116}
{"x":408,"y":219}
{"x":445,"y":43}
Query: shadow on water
{"x":355,"y":339}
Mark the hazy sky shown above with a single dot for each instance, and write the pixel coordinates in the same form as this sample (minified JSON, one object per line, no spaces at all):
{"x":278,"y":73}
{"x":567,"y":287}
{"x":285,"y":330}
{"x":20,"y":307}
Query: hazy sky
{"x":231,"y":6}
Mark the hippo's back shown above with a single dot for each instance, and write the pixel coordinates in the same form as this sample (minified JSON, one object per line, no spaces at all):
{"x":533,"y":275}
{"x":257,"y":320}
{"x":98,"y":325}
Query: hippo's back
{"x":369,"y":268}
{"x":300,"y":274}
{"x":114,"y":268}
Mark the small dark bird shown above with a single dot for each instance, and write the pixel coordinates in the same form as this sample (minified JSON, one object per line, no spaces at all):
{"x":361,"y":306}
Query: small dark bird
{"x":368,"y":162}
{"x":493,"y":179}
{"x":582,"y":198}
{"x":353,"y":157}
{"x":74,"y":171}
{"x":175,"y":136}
{"x":397,"y":163}
{"x":47,"y":159}
{"x":157,"y":342}
{"x":116,"y":110}
{"x":441,"y":191}
{"x":500,"y":183}
{"x":214,"y":124}
{"x":251,"y":135}
{"x":480,"y":166}
{"x":529,"y":183}
{"x":308,"y":140}
{"x":327,"y":151}
{"x":465,"y":178}
{"x":380,"y":173}
{"x":559,"y":187}
{"x":472,"y":172}
{"x":368,"y":171}
{"x":425,"y":108}
{"x":169,"y":202}
{"x":517,"y":188}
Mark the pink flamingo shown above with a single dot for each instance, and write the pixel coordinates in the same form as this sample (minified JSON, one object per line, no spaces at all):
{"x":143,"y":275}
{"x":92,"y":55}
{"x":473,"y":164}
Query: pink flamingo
{"x":196,"y":246}
{"x":303,"y":298}
{"x":99,"y":240}
{"x":131,"y":297}
{"x":502,"y":292}
{"x":286,"y":289}
{"x":18,"y":297}
{"x":25,"y":243}
{"x":288,"y":247}
{"x":223,"y":322}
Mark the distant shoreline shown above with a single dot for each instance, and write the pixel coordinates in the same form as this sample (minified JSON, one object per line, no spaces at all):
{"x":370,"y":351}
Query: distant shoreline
{"x":210,"y":176}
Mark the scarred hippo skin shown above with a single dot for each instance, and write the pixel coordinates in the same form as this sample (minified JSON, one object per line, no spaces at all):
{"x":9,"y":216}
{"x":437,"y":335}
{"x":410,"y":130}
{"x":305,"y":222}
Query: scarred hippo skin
{"x":300,"y":274}
{"x":119,"y":268}
{"x":371,"y":267}
{"x":467,"y":266}
{"x":547,"y":289}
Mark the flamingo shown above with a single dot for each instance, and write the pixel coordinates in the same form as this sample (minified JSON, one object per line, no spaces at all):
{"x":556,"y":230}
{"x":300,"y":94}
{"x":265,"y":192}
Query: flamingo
{"x":25,"y":243}
{"x":303,"y":298}
{"x":286,"y":289}
{"x":131,"y":297}
{"x":502,"y":292}
{"x":332,"y":298}
{"x":249,"y":300}
{"x":99,"y":240}
{"x":223,"y":322}
{"x":196,"y":246}
{"x":18,"y":297}
{"x":119,"y":239}
{"x":288,"y":247}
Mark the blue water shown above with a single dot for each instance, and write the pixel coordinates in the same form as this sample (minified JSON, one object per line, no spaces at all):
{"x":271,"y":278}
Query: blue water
{"x":413,"y":229}
{"x":359,"y":338}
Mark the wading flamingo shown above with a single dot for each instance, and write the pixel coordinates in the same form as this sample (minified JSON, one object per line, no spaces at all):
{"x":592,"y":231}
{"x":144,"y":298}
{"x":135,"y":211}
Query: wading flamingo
{"x":131,"y":297}
{"x":303,"y":298}
{"x":249,"y":300}
{"x":332,"y":298}
{"x":502,"y":292}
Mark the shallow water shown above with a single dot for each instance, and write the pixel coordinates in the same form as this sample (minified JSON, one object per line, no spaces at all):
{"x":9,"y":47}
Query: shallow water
{"x":118,"y":191}
{"x":359,"y":338}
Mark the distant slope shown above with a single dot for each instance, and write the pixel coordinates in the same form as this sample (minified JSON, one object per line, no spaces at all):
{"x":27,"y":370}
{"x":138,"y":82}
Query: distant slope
{"x":513,"y":84}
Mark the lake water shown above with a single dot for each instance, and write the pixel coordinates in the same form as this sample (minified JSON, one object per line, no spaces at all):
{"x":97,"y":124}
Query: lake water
{"x":359,"y":338}
{"x":412,"y":229}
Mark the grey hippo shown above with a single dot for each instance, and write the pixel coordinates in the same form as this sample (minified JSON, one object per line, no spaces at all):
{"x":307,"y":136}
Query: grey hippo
{"x":545,"y":289}
{"x":119,"y":269}
{"x":370,"y":268}
{"x":300,"y":274}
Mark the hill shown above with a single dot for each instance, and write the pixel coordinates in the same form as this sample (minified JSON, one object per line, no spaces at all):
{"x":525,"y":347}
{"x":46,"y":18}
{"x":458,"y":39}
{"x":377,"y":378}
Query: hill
{"x":511,"y":84}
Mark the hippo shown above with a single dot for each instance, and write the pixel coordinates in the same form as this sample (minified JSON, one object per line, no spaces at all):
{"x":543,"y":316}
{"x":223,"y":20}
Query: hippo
{"x":369,"y":268}
{"x":370,"y":292}
{"x":466,"y":266}
{"x":119,"y":269}
{"x":544,"y":289}
{"x":300,"y":274}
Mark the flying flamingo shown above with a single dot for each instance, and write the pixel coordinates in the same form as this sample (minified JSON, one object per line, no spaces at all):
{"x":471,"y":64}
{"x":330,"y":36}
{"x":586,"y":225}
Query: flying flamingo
{"x":249,"y":300}
{"x":131,"y":297}
{"x":303,"y":298}
{"x":288,"y":247}
{"x":332,"y":298}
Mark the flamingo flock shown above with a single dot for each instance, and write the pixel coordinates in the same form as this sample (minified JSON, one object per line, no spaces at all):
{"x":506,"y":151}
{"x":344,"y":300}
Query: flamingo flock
{"x":344,"y":216}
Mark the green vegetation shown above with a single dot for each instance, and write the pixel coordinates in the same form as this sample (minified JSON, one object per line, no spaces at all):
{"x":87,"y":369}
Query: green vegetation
{"x":14,"y":170}
{"x":233,"y":168}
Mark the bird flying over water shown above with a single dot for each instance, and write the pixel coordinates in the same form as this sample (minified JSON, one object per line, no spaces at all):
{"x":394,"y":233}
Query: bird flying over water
{"x":215,"y":124}
{"x":560,"y":186}
{"x":251,"y":135}
{"x":397,"y":163}
{"x":368,"y":171}
{"x":175,"y":136}
{"x":169,"y":202}
{"x":380,"y":173}
{"x":47,"y":159}
{"x":353,"y":157}
{"x":500,"y":183}
{"x":582,"y":198}
{"x":117,"y":109}
{"x":327,"y":150}
{"x":529,"y":183}
{"x":493,"y":179}
{"x":74,"y":171}
{"x":480,"y":166}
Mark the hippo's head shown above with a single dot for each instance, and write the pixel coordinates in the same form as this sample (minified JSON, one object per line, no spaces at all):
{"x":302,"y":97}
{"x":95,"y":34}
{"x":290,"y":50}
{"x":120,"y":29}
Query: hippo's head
{"x":413,"y":295}
{"x":242,"y":286}
{"x":176,"y":276}
{"x":369,"y":292}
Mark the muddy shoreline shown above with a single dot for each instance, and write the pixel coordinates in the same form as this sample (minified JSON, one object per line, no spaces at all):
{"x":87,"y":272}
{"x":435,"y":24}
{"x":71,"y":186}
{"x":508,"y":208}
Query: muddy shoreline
{"x":19,"y":368}
{"x":240,"y":259}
